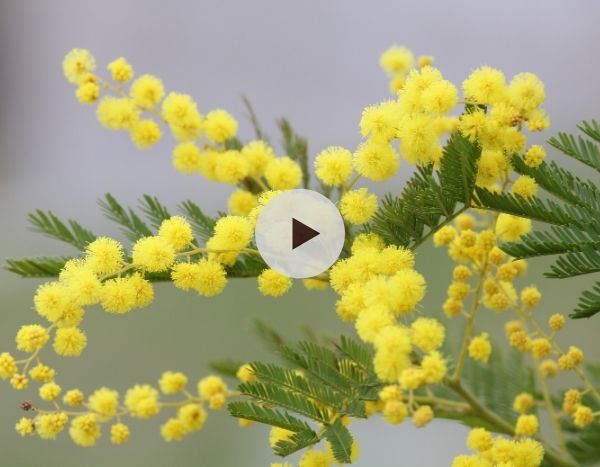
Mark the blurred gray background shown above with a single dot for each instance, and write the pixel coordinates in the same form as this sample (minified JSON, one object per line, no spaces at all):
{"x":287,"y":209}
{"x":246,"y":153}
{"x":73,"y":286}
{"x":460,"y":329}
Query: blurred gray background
{"x":313,"y":62}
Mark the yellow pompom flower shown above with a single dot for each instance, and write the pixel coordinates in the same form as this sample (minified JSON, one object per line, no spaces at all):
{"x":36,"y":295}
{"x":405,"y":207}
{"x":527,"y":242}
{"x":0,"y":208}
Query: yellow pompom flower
{"x":173,"y":430}
{"x":241,"y":202}
{"x":479,"y":439}
{"x":358,"y":206}
{"x":524,"y":186}
{"x":583,"y":416}
{"x":192,"y":416}
{"x":526,"y":92}
{"x":510,"y":228}
{"x":118,"y":295}
{"x":465,"y":222}
{"x":392,"y":353}
{"x":376,"y":160}
{"x":570,"y":360}
{"x":394,"y":412}
{"x":367,"y":240}
{"x":571,"y":400}
{"x":425,"y":60}
{"x":177,"y":231}
{"x":427,"y":334}
{"x":31,"y":337}
{"x":407,"y":289}
{"x":147,"y":91}
{"x":142,"y":401}
{"x":418,"y":140}
{"x":77,"y":64}
{"x":220,"y":126}
{"x":480,"y":348}
{"x":186,"y":158}
{"x":530,"y":296}
{"x":396,"y":60}
{"x":485,"y":85}
{"x":444,"y":236}
{"x":372,"y":320}
{"x":85,"y":430}
{"x":381,"y":121}
{"x":258,"y":154}
{"x":104,"y":256}
{"x":25,"y":427}
{"x":181,"y":113}
{"x":120,"y":70}
{"x":537,"y":120}
{"x":8,"y":366}
{"x":245,"y":373}
{"x":74,"y":398}
{"x":211,"y":278}
{"x":145,"y":134}
{"x":144,"y":293}
{"x":272,"y":283}
{"x":153,"y":254}
{"x":283,"y":174}
{"x":333,"y":165}
{"x":527,"y":425}
{"x":87,"y":93}
{"x":210,"y":386}
{"x":523,"y":403}
{"x":69,"y":342}
{"x":119,"y":433}
{"x":548,"y":368}
{"x":231,"y":167}
{"x":117,"y":113}
{"x":48,"y":426}
{"x":556,"y":322}
{"x":422,"y":416}
{"x":434,"y":367}
{"x":172,"y":382}
{"x":440,"y":97}
{"x":49,"y":391}
{"x":234,"y":232}
{"x":534,"y":156}
{"x":19,"y":382}
{"x":104,"y":402}
{"x":314,"y":458}
{"x":541,"y":347}
{"x":352,"y":302}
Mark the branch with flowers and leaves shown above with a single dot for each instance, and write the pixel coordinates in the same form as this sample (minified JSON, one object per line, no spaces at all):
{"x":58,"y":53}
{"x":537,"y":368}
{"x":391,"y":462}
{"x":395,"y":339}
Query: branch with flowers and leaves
{"x":474,"y":191}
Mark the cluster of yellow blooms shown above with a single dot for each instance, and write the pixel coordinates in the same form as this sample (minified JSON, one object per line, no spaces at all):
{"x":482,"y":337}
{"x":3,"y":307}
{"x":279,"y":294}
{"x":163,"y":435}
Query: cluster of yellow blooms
{"x":379,"y":289}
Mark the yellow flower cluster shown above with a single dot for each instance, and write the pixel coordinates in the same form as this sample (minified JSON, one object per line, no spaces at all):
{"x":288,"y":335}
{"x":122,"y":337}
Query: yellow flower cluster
{"x":489,"y":450}
{"x":103,"y":407}
{"x":379,"y":289}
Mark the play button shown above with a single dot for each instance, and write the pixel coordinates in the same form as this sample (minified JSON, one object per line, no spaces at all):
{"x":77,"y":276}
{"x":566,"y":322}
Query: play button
{"x":300,"y":233}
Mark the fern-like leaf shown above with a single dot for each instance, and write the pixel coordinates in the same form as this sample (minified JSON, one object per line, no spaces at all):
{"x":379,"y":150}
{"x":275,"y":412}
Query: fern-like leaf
{"x":70,"y":231}
{"x":132,"y":226}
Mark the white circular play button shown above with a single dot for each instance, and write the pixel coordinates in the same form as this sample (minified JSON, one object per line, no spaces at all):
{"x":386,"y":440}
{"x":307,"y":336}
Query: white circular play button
{"x":300,"y":233}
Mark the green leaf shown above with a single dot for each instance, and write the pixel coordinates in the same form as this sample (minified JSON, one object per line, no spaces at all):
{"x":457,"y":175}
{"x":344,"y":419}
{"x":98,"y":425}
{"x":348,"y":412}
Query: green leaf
{"x":202,"y":224}
{"x":70,"y":232}
{"x":340,"y":441}
{"x":155,"y":211}
{"x":430,"y":199}
{"x":37,"y":267}
{"x":266,"y":415}
{"x":589,"y":303}
{"x":132,"y":226}
{"x":581,"y":149}
{"x":291,"y":381}
{"x":296,"y":147}
{"x":275,"y":395}
{"x":295,"y":442}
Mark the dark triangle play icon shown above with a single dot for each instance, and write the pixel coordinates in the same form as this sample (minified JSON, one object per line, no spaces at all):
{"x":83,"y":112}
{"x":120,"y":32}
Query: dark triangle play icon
{"x":301,"y":233}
